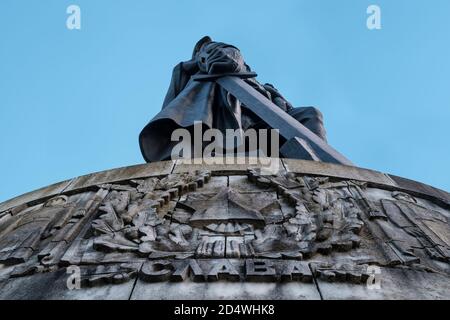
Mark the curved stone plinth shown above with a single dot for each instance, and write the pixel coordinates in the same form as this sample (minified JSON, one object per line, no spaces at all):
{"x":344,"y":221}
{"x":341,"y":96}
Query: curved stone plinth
{"x":171,"y":230}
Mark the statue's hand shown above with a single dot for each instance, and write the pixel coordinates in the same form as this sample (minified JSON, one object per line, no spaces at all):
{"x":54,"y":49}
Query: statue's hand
{"x":220,"y":58}
{"x":277,"y":98}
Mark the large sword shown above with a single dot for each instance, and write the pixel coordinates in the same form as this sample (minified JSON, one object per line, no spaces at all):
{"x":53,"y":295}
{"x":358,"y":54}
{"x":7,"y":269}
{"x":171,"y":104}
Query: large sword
{"x":301,"y":143}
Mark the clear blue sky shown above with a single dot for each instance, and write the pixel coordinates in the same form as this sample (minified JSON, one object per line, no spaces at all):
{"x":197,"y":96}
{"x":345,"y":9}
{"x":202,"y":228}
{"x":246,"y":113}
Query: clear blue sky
{"x":74,"y":102}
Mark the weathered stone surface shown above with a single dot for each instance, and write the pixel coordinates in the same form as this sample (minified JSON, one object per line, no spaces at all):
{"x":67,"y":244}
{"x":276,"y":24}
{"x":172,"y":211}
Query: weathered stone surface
{"x":242,"y":184}
{"x":417,"y":187}
{"x":395,"y":284}
{"x":120,"y":174}
{"x":53,"y":286}
{"x":188,"y":290}
{"x":227,"y":234}
{"x":339,"y":171}
{"x":39,"y":194}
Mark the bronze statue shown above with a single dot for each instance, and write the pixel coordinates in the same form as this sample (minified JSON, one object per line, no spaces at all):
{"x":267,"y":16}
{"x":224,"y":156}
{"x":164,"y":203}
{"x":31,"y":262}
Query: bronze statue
{"x":217,"y":88}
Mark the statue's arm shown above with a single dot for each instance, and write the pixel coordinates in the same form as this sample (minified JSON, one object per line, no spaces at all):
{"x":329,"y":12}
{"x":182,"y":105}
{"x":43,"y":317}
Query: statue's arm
{"x":277,"y":98}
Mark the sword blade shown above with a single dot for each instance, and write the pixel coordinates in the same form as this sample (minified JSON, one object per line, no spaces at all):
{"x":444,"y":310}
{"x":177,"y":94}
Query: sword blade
{"x":278,"y":119}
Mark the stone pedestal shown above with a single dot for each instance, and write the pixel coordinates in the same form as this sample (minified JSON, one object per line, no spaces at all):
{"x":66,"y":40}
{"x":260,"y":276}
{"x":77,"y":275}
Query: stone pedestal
{"x":169,"y":230}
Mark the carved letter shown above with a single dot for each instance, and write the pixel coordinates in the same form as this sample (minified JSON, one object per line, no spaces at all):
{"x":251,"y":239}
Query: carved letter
{"x":223,"y":270}
{"x":156,"y":271}
{"x":260,"y":270}
{"x":187,"y":267}
{"x":296,"y":271}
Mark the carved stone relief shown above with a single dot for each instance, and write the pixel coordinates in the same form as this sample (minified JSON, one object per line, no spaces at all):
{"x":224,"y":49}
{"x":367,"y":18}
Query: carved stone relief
{"x":285,"y":227}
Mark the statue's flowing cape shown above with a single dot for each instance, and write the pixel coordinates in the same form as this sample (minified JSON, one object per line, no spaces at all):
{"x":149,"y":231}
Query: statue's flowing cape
{"x":187,"y":101}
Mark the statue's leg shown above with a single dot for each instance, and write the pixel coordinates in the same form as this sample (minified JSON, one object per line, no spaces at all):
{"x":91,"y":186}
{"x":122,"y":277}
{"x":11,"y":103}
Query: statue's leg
{"x":311,"y":118}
